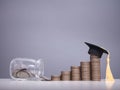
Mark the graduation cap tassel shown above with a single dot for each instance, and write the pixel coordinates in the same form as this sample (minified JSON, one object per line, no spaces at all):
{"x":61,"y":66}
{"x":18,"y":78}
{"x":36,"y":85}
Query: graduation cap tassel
{"x":109,"y":76}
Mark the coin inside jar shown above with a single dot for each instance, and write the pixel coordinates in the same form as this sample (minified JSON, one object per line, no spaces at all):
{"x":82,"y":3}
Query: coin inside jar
{"x":22,"y":73}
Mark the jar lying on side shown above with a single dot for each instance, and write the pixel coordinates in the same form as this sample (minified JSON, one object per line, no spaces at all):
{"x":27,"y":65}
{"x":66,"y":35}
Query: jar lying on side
{"x":26,"y":69}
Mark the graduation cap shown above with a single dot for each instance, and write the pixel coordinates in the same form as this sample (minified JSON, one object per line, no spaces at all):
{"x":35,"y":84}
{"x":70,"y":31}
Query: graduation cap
{"x":96,"y":50}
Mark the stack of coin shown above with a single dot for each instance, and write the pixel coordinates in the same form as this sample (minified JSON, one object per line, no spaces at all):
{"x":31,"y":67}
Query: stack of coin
{"x":55,"y":78}
{"x":85,"y":71}
{"x":65,"y":75}
{"x":75,"y":73}
{"x":95,"y":68}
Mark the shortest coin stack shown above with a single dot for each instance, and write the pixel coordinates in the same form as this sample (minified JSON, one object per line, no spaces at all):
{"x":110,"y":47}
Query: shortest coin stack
{"x":65,"y":75}
{"x":75,"y":73}
{"x":55,"y":78}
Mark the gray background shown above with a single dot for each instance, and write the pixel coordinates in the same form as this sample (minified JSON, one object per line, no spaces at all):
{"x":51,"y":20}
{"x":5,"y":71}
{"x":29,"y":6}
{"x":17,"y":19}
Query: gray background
{"x":55,"y":30}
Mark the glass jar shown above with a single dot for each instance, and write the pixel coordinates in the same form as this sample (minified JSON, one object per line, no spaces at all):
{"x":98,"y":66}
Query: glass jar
{"x":26,"y":69}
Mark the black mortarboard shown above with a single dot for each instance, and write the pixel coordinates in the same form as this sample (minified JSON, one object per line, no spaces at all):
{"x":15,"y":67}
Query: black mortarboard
{"x":96,"y":50}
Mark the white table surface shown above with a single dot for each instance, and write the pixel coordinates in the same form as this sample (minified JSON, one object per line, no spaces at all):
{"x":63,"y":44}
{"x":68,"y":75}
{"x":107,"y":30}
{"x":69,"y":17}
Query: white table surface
{"x":9,"y":84}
